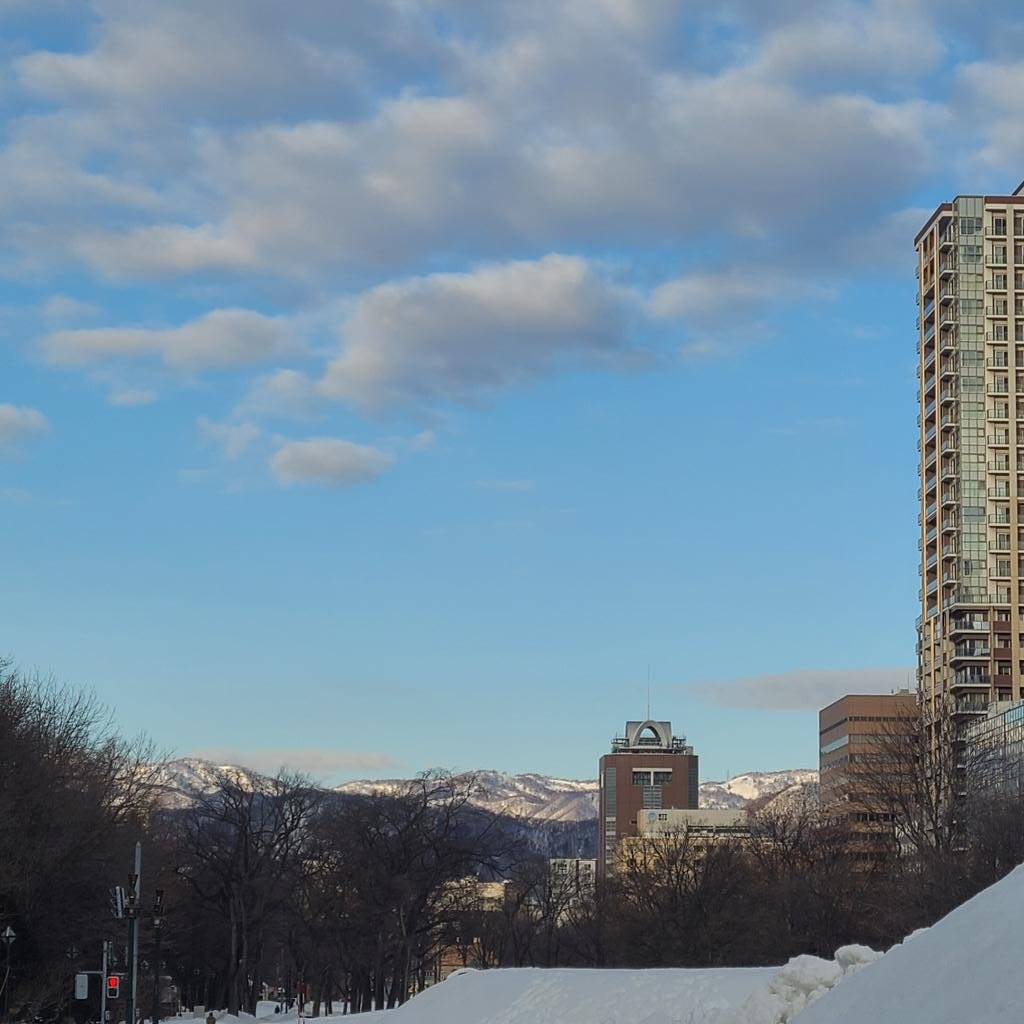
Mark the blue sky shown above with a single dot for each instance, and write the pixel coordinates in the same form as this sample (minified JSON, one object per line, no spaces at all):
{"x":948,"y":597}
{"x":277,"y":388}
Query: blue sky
{"x":387,"y":385}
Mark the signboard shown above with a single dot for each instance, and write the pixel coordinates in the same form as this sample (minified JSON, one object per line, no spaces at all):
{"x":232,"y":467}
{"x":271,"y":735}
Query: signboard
{"x":81,"y":986}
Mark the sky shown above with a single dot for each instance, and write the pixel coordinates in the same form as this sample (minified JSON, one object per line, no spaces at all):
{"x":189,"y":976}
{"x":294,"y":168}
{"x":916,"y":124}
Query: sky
{"x":397,"y":384}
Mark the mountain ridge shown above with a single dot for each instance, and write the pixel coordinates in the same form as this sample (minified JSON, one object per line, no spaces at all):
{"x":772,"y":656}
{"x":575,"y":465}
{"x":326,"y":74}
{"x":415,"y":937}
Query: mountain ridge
{"x":528,"y":795}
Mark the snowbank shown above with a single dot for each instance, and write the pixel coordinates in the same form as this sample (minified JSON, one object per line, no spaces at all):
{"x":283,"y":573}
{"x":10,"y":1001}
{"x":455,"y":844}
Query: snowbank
{"x":963,"y":970}
{"x":534,"y":995}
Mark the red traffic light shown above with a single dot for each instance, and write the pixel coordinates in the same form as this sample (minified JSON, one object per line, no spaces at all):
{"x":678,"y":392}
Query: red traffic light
{"x":113,"y":986}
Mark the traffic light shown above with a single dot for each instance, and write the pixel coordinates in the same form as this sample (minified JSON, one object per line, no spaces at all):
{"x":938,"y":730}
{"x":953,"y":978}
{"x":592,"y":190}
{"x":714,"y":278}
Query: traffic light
{"x":113,"y":986}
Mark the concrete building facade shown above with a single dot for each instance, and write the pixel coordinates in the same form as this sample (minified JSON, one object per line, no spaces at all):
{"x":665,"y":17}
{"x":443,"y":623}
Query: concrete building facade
{"x":648,"y":768}
{"x":853,"y":732}
{"x":970,"y":257}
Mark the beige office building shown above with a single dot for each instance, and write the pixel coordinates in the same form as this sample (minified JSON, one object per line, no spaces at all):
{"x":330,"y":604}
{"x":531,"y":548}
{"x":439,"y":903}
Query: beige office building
{"x":971,"y":439}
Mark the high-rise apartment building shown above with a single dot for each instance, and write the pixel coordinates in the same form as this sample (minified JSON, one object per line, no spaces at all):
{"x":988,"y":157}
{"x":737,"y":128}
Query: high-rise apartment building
{"x":971,"y":372}
{"x":648,"y":769}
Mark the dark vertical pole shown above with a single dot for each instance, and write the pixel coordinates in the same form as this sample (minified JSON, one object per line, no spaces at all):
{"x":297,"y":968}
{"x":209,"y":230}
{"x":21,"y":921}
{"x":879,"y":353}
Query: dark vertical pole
{"x":7,"y":982}
{"x":158,"y":907}
{"x":133,"y":937}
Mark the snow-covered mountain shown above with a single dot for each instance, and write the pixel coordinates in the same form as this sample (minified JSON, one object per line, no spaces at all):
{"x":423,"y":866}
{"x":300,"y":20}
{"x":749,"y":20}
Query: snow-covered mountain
{"x":183,"y":781}
{"x":540,"y":798}
{"x":544,"y":798}
{"x":753,"y":787}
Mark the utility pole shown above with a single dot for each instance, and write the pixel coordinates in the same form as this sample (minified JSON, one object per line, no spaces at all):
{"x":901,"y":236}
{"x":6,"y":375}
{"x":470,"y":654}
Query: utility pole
{"x":134,"y":887}
{"x":8,"y":937}
{"x":103,"y":982}
{"x":158,"y":910}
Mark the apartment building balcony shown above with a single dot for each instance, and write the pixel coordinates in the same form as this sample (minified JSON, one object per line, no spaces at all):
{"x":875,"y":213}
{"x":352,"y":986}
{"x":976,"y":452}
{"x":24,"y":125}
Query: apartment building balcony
{"x":970,"y":651}
{"x":930,"y":434}
{"x":950,"y":445}
{"x":968,"y":624}
{"x":1000,"y":518}
{"x":997,"y":283}
{"x":931,"y":534}
{"x":999,"y":311}
{"x":930,"y":408}
{"x":970,"y":708}
{"x":952,"y":497}
{"x":1002,"y":653}
{"x":998,"y":362}
{"x":950,"y":524}
{"x":948,"y":421}
{"x":948,"y":395}
{"x":929,"y":360}
{"x":998,"y":413}
{"x":929,"y":309}
{"x":948,"y":369}
{"x":947,"y":343}
{"x":948,"y":313}
{"x":947,"y":267}
{"x":949,"y":471}
{"x":999,"y":440}
{"x":999,"y":547}
{"x":947,"y":240}
{"x":950,"y":550}
{"x":999,"y":572}
{"x":999,"y":491}
{"x":999,"y":387}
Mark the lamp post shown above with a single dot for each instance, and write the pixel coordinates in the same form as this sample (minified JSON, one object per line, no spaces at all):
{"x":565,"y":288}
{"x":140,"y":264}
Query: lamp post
{"x":158,"y":910}
{"x":8,"y":936}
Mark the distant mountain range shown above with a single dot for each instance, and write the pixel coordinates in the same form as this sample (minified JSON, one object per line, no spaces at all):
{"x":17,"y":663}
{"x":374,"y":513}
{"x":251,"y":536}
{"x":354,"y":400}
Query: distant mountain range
{"x":533,"y":797}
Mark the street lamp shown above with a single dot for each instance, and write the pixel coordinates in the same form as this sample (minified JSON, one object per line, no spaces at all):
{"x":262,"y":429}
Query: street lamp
{"x":8,"y":936}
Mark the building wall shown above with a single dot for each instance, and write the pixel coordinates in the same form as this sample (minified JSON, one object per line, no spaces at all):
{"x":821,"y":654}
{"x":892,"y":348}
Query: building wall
{"x":622,"y":799}
{"x":852,"y":732}
{"x":971,"y":440}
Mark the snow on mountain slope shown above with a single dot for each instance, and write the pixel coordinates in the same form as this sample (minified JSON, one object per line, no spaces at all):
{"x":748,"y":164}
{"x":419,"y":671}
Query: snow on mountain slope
{"x":741,"y":790}
{"x":533,"y":796}
{"x":525,"y":796}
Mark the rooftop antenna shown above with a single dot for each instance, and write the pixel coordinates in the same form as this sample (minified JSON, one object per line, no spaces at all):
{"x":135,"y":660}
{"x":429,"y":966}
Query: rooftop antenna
{"x":648,"y":692}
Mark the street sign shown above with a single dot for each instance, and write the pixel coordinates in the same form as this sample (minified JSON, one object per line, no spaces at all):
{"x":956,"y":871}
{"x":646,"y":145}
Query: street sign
{"x":81,"y":986}
{"x":117,"y":901}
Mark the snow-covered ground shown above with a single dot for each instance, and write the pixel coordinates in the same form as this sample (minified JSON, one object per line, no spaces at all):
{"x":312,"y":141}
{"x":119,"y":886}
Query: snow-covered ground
{"x":966,"y":969}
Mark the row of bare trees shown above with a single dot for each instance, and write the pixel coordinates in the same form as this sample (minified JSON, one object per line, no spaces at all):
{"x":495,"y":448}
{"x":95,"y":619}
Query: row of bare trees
{"x":355,"y":902}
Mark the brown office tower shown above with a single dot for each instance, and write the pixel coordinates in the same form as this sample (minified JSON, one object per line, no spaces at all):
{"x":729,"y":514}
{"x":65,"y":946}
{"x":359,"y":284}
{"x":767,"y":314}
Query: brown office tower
{"x":647,"y":769}
{"x":857,"y":734}
{"x":970,"y":266}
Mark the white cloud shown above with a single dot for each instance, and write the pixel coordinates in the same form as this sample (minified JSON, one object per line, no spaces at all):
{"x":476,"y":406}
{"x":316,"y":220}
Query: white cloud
{"x":59,"y":308}
{"x":288,"y":393}
{"x":802,"y":689}
{"x":233,"y":438}
{"x":706,"y":295}
{"x":462,"y":336}
{"x":328,"y":460}
{"x":19,"y":421}
{"x":132,"y":397}
{"x":218,"y":339}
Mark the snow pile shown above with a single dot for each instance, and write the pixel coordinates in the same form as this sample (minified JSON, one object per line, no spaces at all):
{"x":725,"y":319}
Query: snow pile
{"x":798,"y":984}
{"x":963,"y":970}
{"x":534,"y":995}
